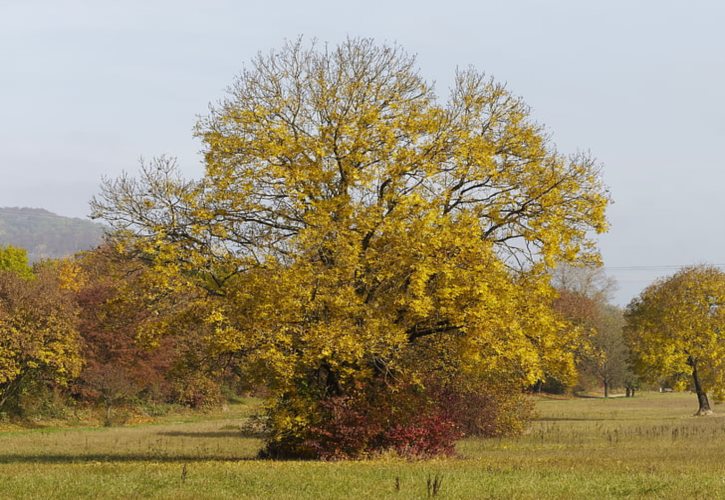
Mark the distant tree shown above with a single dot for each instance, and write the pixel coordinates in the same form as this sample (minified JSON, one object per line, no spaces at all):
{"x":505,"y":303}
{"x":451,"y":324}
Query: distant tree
{"x":585,"y":280}
{"x":608,"y":359}
{"x":677,"y":326}
{"x":38,"y":331}
{"x":584,"y":294}
{"x":631,"y":381}
{"x":15,"y":260}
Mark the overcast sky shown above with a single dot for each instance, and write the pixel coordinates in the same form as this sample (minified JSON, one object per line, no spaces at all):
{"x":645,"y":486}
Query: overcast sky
{"x":88,"y":87}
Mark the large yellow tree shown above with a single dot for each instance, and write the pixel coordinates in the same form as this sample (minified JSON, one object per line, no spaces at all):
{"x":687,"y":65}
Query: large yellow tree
{"x":677,"y":327}
{"x":353,"y":228}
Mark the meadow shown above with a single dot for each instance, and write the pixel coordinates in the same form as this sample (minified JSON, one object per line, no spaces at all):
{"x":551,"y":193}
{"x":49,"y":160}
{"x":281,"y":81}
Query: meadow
{"x":644,"y":447}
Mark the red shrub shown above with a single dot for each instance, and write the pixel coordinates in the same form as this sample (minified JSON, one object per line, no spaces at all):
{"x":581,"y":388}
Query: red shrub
{"x":368,"y":424}
{"x":425,"y":436}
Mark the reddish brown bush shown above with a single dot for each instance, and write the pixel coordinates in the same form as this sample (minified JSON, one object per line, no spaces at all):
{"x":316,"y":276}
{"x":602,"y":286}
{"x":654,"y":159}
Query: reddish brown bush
{"x":369,"y":422}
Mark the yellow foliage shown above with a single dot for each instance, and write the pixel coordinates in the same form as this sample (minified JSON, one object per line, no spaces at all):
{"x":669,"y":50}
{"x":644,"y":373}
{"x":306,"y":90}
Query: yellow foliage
{"x":678,"y":323}
{"x":37,"y":330}
{"x":350,"y":225}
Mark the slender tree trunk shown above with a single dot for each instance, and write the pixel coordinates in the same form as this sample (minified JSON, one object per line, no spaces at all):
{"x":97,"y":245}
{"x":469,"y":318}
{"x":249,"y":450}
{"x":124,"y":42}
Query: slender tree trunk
{"x":109,"y":414}
{"x":628,"y":392}
{"x":703,"y":402}
{"x":606,"y":389}
{"x":5,"y":393}
{"x":10,"y":389}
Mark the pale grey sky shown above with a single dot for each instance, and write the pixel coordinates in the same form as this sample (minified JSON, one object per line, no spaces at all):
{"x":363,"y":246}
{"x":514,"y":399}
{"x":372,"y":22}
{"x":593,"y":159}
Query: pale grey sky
{"x":88,"y":87}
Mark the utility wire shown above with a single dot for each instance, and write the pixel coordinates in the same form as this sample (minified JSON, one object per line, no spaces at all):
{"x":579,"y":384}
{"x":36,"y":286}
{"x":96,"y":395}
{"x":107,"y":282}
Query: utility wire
{"x":669,"y":267}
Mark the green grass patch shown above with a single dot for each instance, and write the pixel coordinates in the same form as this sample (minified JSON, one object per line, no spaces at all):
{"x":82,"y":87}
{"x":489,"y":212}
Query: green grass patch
{"x":649,"y":446}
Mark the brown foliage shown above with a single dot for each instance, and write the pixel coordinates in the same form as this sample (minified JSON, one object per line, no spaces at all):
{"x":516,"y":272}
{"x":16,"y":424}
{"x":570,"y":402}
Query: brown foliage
{"x":117,"y":367}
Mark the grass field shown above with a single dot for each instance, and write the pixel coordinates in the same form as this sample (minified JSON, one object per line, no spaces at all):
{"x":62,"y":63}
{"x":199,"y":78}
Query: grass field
{"x":648,"y":446}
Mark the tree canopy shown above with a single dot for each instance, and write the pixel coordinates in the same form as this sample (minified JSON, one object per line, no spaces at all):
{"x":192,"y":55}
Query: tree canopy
{"x":15,"y":260}
{"x":584,"y":300}
{"x":354,"y":230}
{"x":676,"y":328}
{"x":38,"y":330}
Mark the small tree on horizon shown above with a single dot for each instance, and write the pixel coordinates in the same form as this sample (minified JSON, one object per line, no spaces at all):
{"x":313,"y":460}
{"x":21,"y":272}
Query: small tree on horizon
{"x":677,"y":326}
{"x":15,"y":260}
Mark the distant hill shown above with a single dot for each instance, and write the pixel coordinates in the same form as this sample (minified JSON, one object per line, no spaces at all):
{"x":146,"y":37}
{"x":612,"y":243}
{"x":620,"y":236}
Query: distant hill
{"x":47,"y":235}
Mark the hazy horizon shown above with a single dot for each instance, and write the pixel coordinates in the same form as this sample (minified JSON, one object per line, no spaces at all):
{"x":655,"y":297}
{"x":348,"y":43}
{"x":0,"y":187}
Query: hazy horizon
{"x":90,"y":87}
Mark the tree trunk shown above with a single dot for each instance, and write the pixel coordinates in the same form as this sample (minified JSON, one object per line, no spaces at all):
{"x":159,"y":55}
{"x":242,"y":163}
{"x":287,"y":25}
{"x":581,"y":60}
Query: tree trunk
{"x":704,"y":404}
{"x":606,"y":389}
{"x":109,"y":414}
{"x":10,"y":389}
{"x":627,"y":392}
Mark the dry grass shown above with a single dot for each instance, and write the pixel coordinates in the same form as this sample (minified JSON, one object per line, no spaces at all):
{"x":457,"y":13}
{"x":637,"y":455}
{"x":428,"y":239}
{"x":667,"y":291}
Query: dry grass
{"x":648,"y":446}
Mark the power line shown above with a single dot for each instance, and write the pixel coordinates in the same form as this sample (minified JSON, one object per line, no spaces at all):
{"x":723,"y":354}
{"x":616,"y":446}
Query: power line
{"x":668,"y":267}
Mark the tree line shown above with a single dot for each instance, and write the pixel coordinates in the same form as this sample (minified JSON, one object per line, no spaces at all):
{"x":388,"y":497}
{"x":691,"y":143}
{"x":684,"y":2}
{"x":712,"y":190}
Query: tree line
{"x":70,"y":335}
